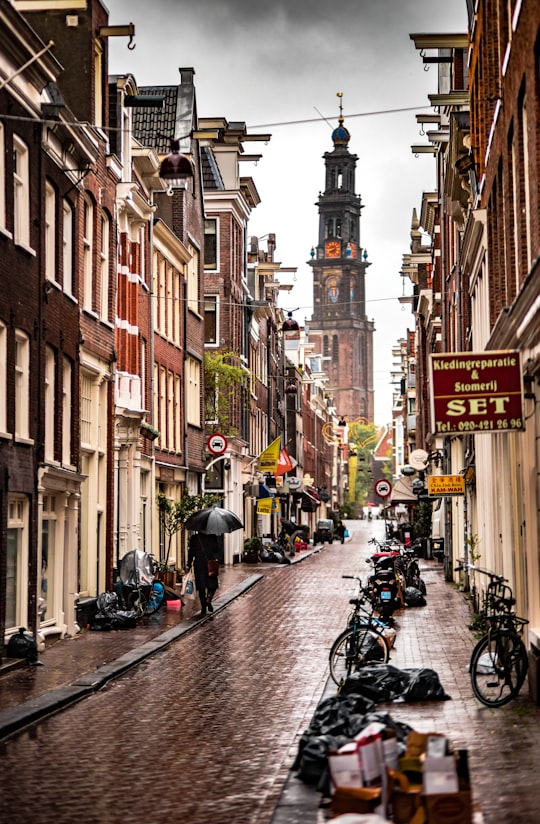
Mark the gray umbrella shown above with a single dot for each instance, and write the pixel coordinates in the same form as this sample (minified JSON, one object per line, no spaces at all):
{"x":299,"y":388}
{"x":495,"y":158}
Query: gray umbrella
{"x":214,"y":521}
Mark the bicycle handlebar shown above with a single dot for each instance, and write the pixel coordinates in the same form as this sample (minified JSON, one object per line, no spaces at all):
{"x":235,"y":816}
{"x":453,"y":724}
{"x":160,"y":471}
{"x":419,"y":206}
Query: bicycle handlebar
{"x":492,"y":575}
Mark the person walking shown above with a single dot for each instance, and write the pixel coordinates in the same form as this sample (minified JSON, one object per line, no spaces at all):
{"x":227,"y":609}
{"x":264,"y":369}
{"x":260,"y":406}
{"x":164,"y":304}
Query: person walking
{"x":203,"y":554}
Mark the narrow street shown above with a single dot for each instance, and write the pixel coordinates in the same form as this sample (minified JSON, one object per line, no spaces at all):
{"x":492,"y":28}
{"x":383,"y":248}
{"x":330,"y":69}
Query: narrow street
{"x":207,"y":730}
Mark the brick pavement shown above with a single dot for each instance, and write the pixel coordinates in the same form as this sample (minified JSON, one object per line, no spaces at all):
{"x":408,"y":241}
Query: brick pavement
{"x":503,"y":744}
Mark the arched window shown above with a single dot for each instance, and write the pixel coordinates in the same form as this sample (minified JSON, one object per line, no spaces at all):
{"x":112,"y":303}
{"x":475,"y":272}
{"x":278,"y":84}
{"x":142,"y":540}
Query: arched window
{"x":330,"y":228}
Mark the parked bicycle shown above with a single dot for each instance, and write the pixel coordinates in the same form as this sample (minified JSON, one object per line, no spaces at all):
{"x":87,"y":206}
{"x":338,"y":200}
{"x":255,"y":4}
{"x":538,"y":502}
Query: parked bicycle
{"x":499,"y":661}
{"x":140,"y":591}
{"x":363,"y":641}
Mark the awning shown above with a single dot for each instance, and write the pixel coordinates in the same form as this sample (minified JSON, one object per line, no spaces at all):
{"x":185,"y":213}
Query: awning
{"x":402,"y":492}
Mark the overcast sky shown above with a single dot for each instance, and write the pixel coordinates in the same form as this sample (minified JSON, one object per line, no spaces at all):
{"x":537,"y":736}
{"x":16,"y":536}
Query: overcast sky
{"x":270,"y":63}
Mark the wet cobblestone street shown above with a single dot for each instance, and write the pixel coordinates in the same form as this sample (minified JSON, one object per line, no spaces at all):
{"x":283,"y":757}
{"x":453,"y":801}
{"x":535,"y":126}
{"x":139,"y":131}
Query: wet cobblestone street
{"x":207,"y":729}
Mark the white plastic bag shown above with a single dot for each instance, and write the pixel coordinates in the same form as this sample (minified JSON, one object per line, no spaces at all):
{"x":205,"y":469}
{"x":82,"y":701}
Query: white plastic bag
{"x":188,"y":585}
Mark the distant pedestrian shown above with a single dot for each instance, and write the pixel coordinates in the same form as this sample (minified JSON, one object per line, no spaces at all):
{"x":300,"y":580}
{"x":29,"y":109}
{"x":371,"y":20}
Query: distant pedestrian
{"x":202,"y":550}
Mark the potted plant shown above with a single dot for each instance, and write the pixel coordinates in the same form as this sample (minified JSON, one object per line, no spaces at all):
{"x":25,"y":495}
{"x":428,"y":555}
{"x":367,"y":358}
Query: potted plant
{"x":251,"y":553}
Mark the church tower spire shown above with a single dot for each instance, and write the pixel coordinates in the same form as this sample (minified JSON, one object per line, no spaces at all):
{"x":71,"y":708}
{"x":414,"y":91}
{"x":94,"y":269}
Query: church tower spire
{"x":339,"y":328}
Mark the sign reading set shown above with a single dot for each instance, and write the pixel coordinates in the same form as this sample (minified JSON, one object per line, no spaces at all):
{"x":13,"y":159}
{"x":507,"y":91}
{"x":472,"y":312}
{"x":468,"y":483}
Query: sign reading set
{"x":476,"y":392}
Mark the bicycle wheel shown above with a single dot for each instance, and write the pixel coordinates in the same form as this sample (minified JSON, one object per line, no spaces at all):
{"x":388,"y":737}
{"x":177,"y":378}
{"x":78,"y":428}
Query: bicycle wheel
{"x":155,"y":598}
{"x":355,"y":647}
{"x":498,"y":668}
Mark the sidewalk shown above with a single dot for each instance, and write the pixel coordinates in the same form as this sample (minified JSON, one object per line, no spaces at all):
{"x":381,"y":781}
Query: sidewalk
{"x":75,"y":667}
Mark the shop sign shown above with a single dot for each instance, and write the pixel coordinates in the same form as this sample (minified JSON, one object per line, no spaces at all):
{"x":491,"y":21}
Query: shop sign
{"x":476,"y":392}
{"x":443,"y":485}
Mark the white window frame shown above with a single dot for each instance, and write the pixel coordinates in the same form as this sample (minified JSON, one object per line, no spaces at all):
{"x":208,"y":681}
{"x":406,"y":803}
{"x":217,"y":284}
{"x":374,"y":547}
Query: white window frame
{"x":18,"y":520}
{"x":3,"y":378}
{"x":2,"y":178}
{"x":105,"y":267}
{"x":67,"y":246}
{"x":22,"y":385}
{"x":67,"y":412}
{"x":50,"y":389}
{"x":192,"y":276}
{"x":50,"y":232}
{"x":88,"y":249}
{"x":215,"y":300}
{"x":210,"y":267}
{"x":193,"y":392}
{"x":21,"y":193}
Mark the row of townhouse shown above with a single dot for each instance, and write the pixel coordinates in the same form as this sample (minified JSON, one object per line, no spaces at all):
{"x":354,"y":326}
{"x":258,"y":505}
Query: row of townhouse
{"x":474,"y":264}
{"x":125,"y":260}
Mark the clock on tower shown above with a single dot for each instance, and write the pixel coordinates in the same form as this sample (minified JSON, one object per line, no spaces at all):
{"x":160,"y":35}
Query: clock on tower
{"x":332,"y":249}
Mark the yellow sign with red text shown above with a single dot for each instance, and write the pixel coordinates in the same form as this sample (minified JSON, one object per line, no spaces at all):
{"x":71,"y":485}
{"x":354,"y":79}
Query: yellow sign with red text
{"x":443,"y":485}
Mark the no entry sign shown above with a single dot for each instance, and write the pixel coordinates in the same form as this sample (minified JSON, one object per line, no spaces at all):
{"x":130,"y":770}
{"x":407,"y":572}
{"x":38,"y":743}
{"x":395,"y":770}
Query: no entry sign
{"x":217,"y":443}
{"x":383,"y":488}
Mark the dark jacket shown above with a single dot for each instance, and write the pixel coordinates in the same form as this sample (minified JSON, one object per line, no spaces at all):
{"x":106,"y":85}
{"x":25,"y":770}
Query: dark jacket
{"x":201,"y":548}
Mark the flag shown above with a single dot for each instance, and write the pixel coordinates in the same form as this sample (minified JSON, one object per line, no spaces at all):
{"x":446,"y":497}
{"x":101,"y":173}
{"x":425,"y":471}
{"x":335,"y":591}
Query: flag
{"x":264,"y":506}
{"x":284,"y":463}
{"x":268,"y":459}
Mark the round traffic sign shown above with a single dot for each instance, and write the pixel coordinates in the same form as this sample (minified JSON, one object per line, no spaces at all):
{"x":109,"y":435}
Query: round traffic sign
{"x":383,"y":488}
{"x":217,"y":443}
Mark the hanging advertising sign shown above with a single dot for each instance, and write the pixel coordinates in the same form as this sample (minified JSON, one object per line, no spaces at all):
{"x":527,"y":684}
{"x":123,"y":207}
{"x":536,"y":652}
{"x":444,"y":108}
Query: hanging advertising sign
{"x":476,"y":392}
{"x":442,"y":485}
{"x":264,"y":506}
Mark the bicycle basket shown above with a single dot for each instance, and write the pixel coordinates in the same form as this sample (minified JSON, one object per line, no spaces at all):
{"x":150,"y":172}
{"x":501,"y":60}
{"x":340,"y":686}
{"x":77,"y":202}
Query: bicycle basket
{"x":499,"y":599}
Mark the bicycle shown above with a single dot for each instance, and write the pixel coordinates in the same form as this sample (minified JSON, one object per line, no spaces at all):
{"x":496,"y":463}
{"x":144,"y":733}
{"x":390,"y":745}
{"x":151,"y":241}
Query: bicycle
{"x":362,"y":642}
{"x":140,"y":590}
{"x":499,"y":661}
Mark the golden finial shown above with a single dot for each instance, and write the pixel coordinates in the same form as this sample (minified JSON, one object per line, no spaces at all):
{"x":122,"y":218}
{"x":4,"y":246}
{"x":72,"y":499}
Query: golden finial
{"x":340,"y":118}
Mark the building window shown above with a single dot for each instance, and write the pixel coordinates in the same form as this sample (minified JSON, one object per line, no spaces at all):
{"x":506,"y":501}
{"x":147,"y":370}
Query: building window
{"x":3,"y":378}
{"x":67,"y":247}
{"x":48,"y":534}
{"x":66,"y":412}
{"x":17,"y":560}
{"x":193,"y":392}
{"x":210,"y":244}
{"x":2,"y":178}
{"x":22,"y":385}
{"x":104,"y":268}
{"x":211,"y":320}
{"x":50,"y":232}
{"x":50,"y":388}
{"x":88,"y":246}
{"x":21,"y":193}
{"x":335,"y":348}
{"x":87,"y":392}
{"x":193,"y":281}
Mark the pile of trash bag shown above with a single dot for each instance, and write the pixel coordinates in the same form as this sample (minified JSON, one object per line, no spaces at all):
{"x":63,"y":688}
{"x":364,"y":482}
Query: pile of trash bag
{"x":272,"y":555}
{"x":109,"y":615}
{"x":382,"y":683}
{"x":23,"y":645}
{"x":336,"y":721}
{"x":414,"y":597}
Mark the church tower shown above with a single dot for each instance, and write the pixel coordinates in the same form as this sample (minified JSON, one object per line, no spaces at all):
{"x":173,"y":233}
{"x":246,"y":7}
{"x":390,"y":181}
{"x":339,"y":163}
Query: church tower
{"x":339,"y":330}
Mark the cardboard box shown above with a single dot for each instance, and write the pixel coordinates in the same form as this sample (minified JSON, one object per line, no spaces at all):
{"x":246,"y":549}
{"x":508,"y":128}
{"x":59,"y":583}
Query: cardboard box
{"x":449,"y":808}
{"x":345,"y":769}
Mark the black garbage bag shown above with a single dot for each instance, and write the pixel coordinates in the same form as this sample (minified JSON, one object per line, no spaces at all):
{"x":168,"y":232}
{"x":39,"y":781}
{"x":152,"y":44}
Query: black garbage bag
{"x":311,"y":764}
{"x":333,"y":715}
{"x":108,"y":615}
{"x":22,"y":645}
{"x":107,"y":603}
{"x":379,"y":683}
{"x":424,"y":685}
{"x":413,"y":597}
{"x":401,"y":729}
